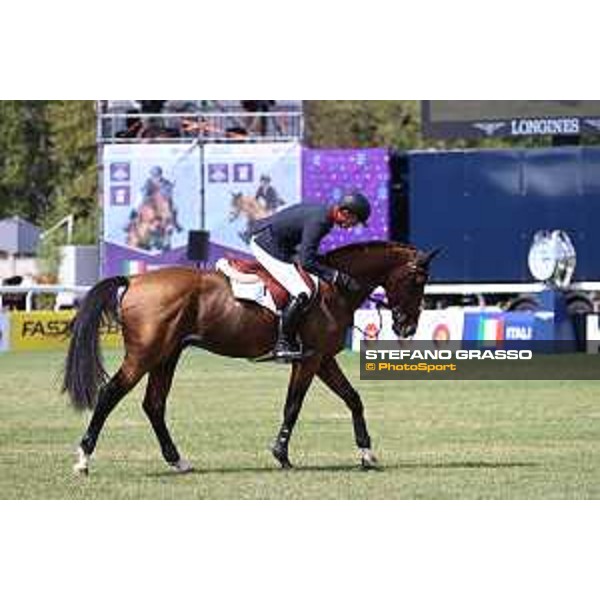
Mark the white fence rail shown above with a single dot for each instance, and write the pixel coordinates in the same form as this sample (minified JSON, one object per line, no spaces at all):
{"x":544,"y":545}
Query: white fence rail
{"x":503,"y":288}
{"x":30,"y":291}
{"x":436,"y":289}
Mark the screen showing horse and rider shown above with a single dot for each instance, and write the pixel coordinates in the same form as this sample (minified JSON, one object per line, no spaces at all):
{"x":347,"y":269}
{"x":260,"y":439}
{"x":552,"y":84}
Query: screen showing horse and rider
{"x":247,"y":185}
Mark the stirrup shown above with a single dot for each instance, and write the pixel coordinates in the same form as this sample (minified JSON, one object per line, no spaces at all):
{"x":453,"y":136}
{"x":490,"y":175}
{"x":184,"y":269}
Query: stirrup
{"x":284,"y":351}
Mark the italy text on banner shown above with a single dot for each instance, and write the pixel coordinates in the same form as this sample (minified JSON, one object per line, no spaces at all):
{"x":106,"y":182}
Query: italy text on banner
{"x":244,"y":183}
{"x":49,"y":330}
{"x":4,"y":332}
{"x":328,"y":174}
{"x":151,"y":201}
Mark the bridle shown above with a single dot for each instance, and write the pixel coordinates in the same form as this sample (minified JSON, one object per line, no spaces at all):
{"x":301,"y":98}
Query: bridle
{"x":382,"y":304}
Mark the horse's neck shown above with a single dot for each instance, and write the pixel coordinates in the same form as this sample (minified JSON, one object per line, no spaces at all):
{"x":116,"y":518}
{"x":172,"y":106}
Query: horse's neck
{"x":368,"y":264}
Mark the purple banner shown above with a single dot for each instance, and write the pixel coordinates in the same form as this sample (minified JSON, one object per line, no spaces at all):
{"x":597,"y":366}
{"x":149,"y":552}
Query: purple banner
{"x":124,"y":261}
{"x":328,"y":174}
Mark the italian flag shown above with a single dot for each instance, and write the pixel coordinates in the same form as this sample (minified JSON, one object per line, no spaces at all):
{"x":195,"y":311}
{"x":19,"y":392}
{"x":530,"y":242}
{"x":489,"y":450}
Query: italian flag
{"x":491,"y":329}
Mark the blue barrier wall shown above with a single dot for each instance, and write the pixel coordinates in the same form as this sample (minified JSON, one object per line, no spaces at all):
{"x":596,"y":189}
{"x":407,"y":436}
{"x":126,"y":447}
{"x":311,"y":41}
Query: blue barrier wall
{"x":483,"y":207}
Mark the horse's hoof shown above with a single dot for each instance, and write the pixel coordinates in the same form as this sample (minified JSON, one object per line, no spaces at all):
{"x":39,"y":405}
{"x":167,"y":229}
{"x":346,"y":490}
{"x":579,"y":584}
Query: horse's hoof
{"x":182,"y":466}
{"x":82,"y":466}
{"x":282,"y":458}
{"x":81,"y":470}
{"x":368,"y":460}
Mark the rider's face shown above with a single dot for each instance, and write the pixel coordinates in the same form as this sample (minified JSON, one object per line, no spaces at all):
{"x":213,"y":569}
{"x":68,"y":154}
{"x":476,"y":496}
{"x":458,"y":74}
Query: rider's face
{"x":345,"y":219}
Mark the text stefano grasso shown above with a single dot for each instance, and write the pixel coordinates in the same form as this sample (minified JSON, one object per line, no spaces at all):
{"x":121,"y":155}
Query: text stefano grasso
{"x":499,"y":354}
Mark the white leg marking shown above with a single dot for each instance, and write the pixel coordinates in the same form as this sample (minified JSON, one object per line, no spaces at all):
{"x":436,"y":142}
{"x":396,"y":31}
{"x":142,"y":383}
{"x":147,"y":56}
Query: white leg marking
{"x":367,"y":457}
{"x":183,"y":466}
{"x":82,"y":466}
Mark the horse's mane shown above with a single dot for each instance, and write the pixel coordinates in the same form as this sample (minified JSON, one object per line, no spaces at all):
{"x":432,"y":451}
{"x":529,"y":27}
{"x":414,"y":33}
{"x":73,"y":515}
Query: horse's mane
{"x":385,"y":247}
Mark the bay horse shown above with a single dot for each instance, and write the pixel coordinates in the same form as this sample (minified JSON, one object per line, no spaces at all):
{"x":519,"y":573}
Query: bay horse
{"x":164,"y":311}
{"x":249,"y":206}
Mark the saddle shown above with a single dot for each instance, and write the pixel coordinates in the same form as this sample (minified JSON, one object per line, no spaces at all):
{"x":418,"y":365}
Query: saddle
{"x":251,"y":281}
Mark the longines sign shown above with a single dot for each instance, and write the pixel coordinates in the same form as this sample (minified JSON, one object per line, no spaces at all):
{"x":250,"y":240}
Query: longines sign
{"x":545,"y":127}
{"x":509,"y":118}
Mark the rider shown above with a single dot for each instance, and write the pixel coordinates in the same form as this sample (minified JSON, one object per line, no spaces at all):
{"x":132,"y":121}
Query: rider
{"x":299,"y":229}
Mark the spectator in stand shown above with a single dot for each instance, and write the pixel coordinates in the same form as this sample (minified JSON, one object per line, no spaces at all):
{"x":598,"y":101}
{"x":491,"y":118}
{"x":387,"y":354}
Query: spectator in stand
{"x":154,"y":125}
{"x":259,"y":122}
{"x":152,"y":107}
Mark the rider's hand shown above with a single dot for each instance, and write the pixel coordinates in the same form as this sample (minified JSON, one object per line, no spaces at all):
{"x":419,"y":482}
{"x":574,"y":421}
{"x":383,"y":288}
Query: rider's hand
{"x":347,"y":283}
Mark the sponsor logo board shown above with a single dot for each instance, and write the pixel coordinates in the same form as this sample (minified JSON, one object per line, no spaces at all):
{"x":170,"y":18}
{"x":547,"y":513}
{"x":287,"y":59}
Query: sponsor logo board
{"x":49,"y":330}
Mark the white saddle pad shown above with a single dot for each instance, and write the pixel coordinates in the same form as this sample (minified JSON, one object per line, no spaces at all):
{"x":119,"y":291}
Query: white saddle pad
{"x":246,"y":286}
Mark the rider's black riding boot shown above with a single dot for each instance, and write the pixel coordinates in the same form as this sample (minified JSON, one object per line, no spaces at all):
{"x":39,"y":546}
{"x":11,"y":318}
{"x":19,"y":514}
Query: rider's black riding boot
{"x":287,"y":347}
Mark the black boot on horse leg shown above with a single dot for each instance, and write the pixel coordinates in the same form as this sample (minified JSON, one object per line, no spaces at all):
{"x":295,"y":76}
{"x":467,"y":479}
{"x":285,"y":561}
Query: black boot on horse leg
{"x":280,"y":448}
{"x":287,"y":347}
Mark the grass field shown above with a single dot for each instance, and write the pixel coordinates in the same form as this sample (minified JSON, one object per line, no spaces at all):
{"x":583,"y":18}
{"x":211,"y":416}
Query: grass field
{"x":435,"y":440}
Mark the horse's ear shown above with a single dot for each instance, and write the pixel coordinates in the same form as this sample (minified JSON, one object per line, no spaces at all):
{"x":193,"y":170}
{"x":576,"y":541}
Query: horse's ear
{"x":425,"y":258}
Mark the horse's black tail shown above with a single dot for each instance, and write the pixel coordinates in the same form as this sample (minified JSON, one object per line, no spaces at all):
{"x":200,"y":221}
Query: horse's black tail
{"x":84,"y":372}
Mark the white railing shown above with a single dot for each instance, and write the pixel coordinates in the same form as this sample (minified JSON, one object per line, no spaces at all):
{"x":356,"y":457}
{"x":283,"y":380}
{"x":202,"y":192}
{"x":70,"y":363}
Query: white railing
{"x":503,"y":288}
{"x":270,"y":126}
{"x":438,"y":289}
{"x":29,"y":291}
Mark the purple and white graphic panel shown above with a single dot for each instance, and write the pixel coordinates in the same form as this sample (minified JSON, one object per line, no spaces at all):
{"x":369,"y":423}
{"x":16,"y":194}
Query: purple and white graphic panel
{"x":328,"y":174}
{"x":244,"y":183}
{"x":151,"y":201}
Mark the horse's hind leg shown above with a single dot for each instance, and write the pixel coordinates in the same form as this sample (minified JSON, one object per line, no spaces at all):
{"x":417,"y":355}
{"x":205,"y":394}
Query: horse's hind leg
{"x":159,"y":385}
{"x":331,"y":375}
{"x":110,"y":395}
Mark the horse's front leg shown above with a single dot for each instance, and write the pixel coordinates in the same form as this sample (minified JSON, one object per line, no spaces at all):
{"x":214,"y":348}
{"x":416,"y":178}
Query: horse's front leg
{"x":332,"y":376}
{"x":303,"y":373}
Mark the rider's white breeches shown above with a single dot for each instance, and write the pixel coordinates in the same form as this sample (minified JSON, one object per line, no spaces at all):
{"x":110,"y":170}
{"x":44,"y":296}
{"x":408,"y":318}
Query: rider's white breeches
{"x":285,"y":273}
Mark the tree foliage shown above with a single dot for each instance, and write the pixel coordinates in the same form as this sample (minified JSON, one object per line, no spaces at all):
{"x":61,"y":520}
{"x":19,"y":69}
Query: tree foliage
{"x":48,"y":160}
{"x":72,"y":128}
{"x":25,"y":165}
{"x":363,"y":123}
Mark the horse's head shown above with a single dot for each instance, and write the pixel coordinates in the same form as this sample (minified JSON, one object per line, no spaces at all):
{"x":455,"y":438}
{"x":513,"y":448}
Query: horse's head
{"x":402,"y":270}
{"x":404,"y":285}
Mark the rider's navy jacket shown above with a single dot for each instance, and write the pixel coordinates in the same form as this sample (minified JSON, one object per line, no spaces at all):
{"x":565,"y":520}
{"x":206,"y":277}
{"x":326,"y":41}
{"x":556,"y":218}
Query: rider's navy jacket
{"x":296,"y":230}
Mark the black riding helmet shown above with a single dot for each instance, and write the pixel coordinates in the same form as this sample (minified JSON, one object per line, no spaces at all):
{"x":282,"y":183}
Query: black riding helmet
{"x":358,"y":204}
